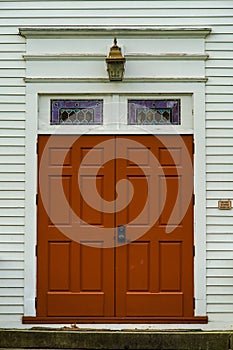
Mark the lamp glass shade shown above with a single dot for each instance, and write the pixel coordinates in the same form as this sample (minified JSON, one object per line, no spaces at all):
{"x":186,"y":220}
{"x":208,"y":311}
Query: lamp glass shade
{"x":115,"y":70}
{"x":115,"y":63}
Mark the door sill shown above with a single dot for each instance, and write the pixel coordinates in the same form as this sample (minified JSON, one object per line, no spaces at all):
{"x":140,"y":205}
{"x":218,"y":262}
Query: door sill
{"x":74,"y":320}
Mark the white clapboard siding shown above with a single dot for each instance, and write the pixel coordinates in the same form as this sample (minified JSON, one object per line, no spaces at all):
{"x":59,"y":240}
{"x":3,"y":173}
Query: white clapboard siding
{"x":219,"y":127}
{"x":12,"y":173}
{"x":11,"y":292}
{"x":219,"y":124}
{"x":222,"y":263}
{"x":220,"y":229}
{"x":11,"y":300}
{"x":225,"y":141}
{"x":11,"y":203}
{"x":11,"y":238}
{"x":12,"y":150}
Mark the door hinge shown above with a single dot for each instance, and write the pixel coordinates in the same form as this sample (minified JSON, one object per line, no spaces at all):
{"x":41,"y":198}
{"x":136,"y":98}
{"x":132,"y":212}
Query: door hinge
{"x":37,"y":148}
{"x":36,"y":250}
{"x":36,"y":302}
{"x":193,"y":303}
{"x":193,"y":199}
{"x":194,"y":250}
{"x":37,"y":199}
{"x":193,"y":147}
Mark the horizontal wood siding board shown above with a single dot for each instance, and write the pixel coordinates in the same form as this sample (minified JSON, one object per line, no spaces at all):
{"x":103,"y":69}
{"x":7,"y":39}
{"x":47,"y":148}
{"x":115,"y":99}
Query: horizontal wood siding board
{"x":200,"y":5}
{"x":115,"y":13}
{"x":110,"y":19}
{"x":11,"y":292}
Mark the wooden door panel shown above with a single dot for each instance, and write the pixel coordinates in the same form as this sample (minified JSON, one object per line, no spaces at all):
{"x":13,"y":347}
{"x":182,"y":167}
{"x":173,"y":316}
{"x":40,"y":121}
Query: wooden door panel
{"x":151,"y":273}
{"x":134,"y":212}
{"x":138,"y":266}
{"x":170,"y":274}
{"x":87,"y":213}
{"x":59,"y":215}
{"x":59,"y":260}
{"x":173,"y":200}
{"x":73,"y":278}
{"x":73,"y":304}
{"x":90,"y":290}
{"x":151,"y":304}
{"x":154,"y":273}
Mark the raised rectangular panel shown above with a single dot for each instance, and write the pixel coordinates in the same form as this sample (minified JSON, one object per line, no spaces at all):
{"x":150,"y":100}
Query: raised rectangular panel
{"x":138,"y":156}
{"x":138,"y":213}
{"x":59,"y":209}
{"x":60,"y":156}
{"x":159,"y":304}
{"x":170,"y":194}
{"x":138,"y":266}
{"x":91,"y":206}
{"x":73,"y":304}
{"x":170,"y":274}
{"x":92,"y":157}
{"x":91,"y":265}
{"x":170,"y":156}
{"x":59,"y":260}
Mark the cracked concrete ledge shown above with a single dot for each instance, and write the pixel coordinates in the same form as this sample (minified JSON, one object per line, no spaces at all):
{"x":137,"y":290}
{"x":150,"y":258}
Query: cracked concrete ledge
{"x":89,"y":339}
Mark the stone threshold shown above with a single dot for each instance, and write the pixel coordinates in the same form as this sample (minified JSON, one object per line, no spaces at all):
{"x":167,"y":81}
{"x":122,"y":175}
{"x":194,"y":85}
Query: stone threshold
{"x":75,"y":338}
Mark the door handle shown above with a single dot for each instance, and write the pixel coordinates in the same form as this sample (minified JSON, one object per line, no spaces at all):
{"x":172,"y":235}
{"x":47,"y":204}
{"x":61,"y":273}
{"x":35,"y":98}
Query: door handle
{"x":121,"y":234}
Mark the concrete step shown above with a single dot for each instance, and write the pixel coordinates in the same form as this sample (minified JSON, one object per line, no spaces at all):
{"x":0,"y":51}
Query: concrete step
{"x":96,"y":339}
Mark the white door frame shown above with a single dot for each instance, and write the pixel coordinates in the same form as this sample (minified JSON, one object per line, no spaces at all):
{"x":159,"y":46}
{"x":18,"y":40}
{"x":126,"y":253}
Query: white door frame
{"x":34,"y":90}
{"x":151,"y":71}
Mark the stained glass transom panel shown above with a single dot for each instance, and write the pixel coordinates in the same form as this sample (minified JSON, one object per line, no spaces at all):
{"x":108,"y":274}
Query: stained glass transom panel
{"x":154,"y":112}
{"x":76,"y":112}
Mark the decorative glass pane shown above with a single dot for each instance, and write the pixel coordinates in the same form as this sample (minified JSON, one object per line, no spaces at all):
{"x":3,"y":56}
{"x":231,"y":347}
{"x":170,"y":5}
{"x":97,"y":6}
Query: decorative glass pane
{"x":76,"y":112}
{"x":154,"y":112}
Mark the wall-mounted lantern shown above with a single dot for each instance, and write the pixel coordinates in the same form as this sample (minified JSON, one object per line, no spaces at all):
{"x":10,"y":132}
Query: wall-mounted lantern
{"x":115,"y":63}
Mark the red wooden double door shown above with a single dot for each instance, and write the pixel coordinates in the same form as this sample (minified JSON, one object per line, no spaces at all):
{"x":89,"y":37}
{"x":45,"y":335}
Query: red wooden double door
{"x":115,"y":227}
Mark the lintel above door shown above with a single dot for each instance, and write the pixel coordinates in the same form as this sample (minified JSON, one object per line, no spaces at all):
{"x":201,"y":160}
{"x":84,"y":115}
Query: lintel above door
{"x":78,"y":54}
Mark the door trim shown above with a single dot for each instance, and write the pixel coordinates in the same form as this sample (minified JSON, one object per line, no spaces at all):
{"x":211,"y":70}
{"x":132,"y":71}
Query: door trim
{"x":198,"y":92}
{"x":194,"y":319}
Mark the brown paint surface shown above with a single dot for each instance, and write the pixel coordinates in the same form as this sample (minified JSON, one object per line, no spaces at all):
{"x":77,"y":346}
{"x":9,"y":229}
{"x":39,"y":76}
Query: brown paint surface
{"x":150,"y":277}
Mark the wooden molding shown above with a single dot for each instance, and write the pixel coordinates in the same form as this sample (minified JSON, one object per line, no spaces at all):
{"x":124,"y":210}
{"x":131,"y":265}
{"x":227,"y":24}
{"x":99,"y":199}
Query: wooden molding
{"x":91,"y":320}
{"x":29,"y":32}
{"x":105,"y":80}
{"x":134,"y":56}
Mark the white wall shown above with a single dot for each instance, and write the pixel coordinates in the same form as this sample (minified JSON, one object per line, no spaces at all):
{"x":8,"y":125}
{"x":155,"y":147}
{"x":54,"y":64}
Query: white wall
{"x":219,"y":133}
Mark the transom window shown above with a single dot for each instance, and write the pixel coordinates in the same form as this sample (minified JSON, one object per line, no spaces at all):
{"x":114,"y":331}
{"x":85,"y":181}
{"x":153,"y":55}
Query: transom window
{"x":76,"y":112}
{"x":115,"y":113}
{"x":140,"y":112}
{"x":154,"y":112}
